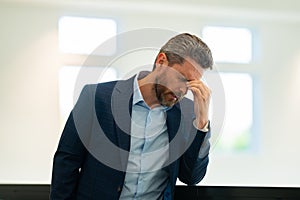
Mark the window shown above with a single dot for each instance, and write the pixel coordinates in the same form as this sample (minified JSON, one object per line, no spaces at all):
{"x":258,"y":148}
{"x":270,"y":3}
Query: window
{"x":68,"y":75}
{"x":229,"y":44}
{"x":234,"y":45}
{"x":238,"y":89}
{"x":78,"y":35}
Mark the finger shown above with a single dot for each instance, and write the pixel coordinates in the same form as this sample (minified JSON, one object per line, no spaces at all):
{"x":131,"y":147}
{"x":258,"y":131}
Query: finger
{"x":198,"y":94}
{"x":199,"y":84}
{"x":205,"y":91}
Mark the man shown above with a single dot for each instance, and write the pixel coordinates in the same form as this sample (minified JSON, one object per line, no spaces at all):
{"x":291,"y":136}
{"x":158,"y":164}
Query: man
{"x":132,"y":139}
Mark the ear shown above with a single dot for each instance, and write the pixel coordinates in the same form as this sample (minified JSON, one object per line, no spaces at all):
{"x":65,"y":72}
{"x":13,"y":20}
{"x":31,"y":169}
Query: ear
{"x":161,"y":59}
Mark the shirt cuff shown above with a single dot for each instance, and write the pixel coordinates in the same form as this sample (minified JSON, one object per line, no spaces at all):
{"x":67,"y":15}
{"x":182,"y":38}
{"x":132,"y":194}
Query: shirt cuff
{"x":205,"y":147}
{"x":205,"y":129}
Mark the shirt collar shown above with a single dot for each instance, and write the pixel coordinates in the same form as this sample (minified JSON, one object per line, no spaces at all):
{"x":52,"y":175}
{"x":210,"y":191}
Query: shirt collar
{"x":137,"y":95}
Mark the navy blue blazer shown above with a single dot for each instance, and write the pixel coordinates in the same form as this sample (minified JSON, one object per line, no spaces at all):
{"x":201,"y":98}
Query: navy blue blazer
{"x":91,"y":158}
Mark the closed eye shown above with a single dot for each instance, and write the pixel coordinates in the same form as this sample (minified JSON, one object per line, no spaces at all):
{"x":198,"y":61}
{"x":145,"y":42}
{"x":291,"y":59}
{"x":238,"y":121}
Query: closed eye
{"x":184,"y":79}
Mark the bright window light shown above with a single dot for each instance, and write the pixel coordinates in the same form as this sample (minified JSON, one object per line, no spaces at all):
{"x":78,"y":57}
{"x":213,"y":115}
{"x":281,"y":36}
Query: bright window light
{"x":68,"y":76}
{"x":228,"y":44}
{"x":78,"y":35}
{"x":238,"y":88}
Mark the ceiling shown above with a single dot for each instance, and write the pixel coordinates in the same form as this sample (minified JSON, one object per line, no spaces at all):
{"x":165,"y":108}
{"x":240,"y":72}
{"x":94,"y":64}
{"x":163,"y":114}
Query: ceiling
{"x":269,"y":5}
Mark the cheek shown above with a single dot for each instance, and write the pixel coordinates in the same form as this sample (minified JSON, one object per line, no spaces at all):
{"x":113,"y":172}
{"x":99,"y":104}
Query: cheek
{"x":164,"y":82}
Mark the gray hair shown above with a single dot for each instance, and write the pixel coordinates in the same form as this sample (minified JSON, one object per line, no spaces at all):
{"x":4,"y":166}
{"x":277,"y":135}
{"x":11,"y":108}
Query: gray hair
{"x":185,"y":45}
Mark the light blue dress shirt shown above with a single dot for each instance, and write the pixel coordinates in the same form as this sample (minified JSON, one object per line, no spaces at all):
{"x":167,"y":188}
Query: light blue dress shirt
{"x":146,"y":178}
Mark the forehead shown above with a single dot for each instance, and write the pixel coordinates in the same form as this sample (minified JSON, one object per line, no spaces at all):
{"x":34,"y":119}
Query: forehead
{"x":190,"y":69}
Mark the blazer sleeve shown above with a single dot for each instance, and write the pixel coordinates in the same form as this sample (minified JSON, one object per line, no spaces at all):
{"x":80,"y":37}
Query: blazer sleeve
{"x":71,"y":150}
{"x":193,"y":167}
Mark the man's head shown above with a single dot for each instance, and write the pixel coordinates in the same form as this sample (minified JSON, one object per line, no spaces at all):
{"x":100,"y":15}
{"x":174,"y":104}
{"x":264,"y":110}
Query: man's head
{"x":185,"y":45}
{"x":182,"y":59}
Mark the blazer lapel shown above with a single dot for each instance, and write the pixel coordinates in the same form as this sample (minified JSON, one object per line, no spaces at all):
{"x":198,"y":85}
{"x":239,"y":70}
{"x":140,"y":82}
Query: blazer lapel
{"x":179,"y":123}
{"x":121,"y":102}
{"x":173,"y":123}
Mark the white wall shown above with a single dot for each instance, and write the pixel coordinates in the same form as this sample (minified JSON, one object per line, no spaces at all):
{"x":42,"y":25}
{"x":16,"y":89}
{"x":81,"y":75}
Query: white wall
{"x":30,"y":63}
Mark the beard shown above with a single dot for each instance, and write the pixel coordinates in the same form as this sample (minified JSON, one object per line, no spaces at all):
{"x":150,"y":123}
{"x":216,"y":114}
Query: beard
{"x":165,"y":96}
